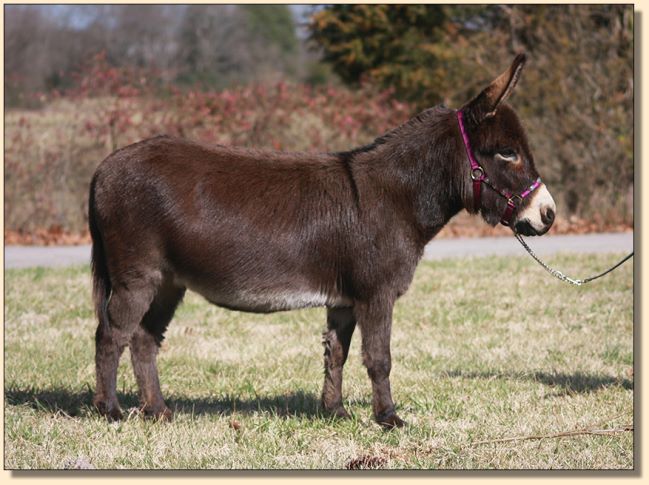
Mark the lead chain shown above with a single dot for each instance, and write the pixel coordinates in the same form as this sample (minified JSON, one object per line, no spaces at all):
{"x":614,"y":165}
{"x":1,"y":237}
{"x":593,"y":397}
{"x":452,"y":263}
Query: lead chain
{"x":558,"y":274}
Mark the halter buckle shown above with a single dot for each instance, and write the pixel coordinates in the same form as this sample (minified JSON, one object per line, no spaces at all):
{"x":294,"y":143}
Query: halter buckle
{"x":477,"y":173}
{"x":511,"y":200}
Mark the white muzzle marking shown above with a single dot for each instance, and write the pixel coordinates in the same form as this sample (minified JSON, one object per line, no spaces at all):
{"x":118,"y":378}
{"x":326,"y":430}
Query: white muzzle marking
{"x":539,"y":204}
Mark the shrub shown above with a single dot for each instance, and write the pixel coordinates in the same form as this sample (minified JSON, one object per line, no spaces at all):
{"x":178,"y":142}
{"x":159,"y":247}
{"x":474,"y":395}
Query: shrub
{"x":51,"y":153}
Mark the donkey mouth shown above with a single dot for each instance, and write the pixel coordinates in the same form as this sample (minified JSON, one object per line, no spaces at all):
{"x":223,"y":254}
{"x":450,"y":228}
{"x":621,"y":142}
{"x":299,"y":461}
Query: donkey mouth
{"x":526,"y":229}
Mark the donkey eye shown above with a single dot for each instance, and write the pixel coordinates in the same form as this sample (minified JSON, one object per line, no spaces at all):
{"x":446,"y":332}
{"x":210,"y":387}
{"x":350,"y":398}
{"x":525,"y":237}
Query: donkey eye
{"x":507,"y":154}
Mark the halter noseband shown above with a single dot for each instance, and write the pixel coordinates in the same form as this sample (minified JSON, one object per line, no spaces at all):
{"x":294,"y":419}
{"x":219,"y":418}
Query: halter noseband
{"x":479,"y":177}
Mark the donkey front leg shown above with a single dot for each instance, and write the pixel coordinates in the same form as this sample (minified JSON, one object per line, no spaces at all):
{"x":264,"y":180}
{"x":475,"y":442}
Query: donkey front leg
{"x":336,"y":340}
{"x":375,"y":320}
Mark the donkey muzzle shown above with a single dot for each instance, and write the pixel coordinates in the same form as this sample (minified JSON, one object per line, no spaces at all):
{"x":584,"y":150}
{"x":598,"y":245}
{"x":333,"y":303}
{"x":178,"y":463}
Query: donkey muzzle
{"x":537,"y":218}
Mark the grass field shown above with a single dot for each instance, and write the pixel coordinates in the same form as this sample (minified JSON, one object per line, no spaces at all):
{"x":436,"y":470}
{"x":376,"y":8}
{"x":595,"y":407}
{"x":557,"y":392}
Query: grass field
{"x":483,"y":350}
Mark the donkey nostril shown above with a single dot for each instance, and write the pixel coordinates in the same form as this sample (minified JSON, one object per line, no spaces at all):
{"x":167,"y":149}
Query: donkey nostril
{"x":548,"y":216}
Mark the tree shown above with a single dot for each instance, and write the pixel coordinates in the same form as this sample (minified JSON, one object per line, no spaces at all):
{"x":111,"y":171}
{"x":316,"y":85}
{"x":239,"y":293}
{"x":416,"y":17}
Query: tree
{"x":576,"y":97}
{"x":272,"y":24}
{"x":404,"y":47}
{"x":579,"y":96}
{"x":215,"y":45}
{"x":221,"y":45}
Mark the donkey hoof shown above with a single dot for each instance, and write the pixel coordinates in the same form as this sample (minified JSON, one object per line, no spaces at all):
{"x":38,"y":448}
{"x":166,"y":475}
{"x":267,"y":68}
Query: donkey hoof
{"x":335,"y":410}
{"x":112,"y":413}
{"x":159,"y":414}
{"x":339,"y":412}
{"x":391,"y":421}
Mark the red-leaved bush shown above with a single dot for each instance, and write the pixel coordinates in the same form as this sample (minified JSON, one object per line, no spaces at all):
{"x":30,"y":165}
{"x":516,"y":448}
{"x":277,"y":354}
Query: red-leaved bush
{"x":51,"y":153}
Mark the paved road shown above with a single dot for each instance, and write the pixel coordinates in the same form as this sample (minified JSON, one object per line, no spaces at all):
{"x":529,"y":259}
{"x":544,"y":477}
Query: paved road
{"x":29,"y":256}
{"x":487,"y":246}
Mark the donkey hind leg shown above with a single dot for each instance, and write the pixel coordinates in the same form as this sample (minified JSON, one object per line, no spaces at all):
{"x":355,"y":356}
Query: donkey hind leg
{"x":126,"y":307}
{"x":107,"y":354}
{"x":336,"y":340}
{"x":375,"y":320}
{"x":144,"y":346}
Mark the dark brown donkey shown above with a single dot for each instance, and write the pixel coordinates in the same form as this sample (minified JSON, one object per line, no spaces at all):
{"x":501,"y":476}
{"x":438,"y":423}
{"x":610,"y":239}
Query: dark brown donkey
{"x":263,"y":231}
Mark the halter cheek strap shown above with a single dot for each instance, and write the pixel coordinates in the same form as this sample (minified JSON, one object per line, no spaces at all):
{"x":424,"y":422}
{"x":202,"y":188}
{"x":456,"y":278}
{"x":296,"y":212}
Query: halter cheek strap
{"x":477,"y":172}
{"x":479,"y":177}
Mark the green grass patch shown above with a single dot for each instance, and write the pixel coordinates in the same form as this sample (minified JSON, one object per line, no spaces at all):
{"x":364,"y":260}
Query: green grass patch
{"x":483,"y":349}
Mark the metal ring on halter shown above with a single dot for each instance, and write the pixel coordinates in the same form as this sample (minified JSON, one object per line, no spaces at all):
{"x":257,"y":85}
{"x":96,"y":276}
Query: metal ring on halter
{"x":479,"y":171}
{"x":515,"y":196}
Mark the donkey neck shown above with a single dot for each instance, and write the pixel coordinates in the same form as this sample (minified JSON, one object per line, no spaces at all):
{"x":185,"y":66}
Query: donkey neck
{"x":417,"y":165}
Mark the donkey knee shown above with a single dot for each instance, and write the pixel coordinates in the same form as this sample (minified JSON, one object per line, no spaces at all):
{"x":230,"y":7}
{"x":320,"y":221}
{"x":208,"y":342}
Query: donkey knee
{"x":378,"y":368}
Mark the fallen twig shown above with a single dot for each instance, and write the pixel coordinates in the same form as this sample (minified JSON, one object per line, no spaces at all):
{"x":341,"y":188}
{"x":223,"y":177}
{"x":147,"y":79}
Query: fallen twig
{"x":565,"y":434}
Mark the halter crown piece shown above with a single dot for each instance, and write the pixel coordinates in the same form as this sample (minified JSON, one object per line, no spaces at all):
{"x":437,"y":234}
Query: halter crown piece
{"x":479,"y":177}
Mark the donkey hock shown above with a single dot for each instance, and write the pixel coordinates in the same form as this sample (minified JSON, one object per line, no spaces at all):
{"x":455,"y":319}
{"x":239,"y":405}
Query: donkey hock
{"x":263,"y":231}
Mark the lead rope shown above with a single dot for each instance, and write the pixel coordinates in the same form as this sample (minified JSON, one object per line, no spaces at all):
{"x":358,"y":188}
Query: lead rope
{"x":559,"y":274}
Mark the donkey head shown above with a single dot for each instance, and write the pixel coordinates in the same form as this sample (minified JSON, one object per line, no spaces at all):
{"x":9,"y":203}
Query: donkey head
{"x":506,"y":185}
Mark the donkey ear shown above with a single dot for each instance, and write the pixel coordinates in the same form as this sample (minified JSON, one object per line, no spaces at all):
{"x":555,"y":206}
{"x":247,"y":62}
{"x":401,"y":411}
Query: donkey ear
{"x":485,"y":104}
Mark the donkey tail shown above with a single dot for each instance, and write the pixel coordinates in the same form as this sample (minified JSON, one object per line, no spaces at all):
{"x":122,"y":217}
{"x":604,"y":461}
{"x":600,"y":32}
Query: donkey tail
{"x":101,"y":287}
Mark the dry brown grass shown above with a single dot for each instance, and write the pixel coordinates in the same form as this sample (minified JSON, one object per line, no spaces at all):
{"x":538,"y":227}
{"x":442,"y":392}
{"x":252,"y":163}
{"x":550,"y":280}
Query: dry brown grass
{"x":513,"y":384}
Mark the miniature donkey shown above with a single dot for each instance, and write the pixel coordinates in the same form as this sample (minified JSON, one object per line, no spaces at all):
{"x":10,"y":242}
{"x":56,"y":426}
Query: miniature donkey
{"x":264,"y":231}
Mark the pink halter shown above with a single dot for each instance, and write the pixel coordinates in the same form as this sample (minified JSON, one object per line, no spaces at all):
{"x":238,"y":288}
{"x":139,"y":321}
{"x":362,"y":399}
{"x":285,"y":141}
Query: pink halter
{"x":479,"y":177}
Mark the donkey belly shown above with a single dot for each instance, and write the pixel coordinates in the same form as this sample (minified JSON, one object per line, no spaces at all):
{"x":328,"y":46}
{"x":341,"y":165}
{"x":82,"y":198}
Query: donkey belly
{"x":237,"y":295}
{"x":245,"y":278}
{"x":273,"y":300}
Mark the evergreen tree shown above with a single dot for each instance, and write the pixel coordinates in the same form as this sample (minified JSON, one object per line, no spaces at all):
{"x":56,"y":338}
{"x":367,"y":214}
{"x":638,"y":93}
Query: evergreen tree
{"x":404,"y":47}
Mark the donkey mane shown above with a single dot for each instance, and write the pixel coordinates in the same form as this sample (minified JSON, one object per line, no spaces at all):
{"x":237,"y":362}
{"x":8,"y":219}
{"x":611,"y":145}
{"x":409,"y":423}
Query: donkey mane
{"x":414,"y":122}
{"x":418,"y":159}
